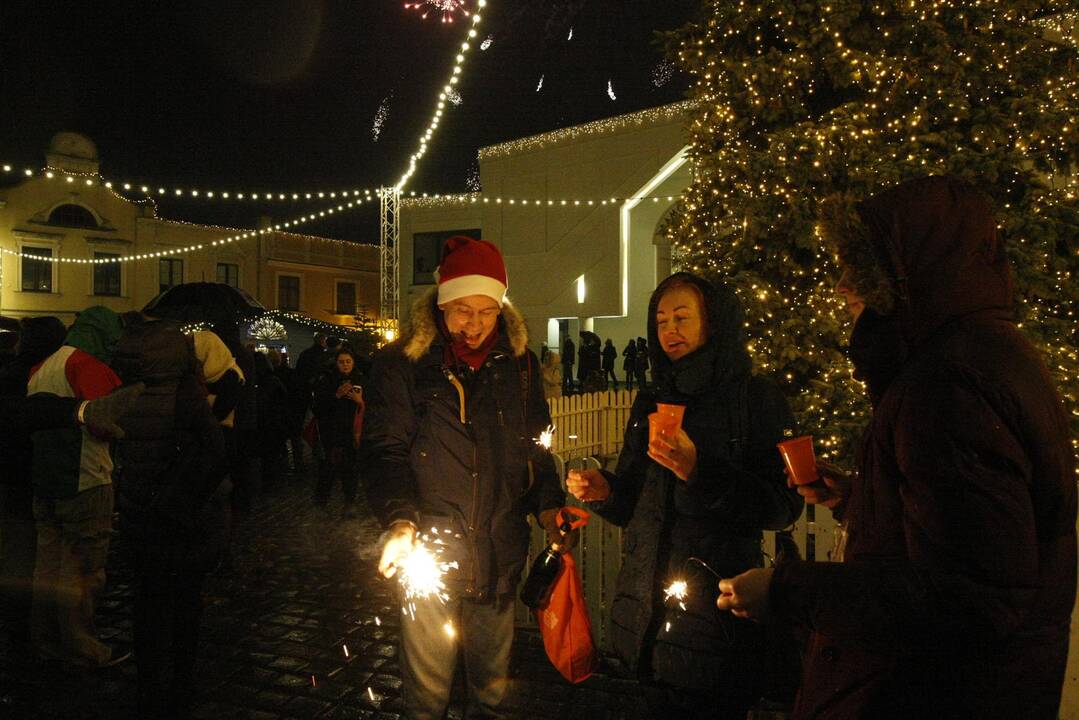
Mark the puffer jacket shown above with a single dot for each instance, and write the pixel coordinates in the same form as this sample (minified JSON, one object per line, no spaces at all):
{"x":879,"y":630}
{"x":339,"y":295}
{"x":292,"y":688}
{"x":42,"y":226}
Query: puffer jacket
{"x":960,"y":572}
{"x":170,"y":460}
{"x":452,"y":449}
{"x":738,"y":489}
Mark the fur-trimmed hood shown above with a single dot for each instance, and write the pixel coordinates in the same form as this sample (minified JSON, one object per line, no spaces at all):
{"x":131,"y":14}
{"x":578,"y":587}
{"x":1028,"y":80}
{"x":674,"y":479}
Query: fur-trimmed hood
{"x":927,"y":248}
{"x":423,"y":327}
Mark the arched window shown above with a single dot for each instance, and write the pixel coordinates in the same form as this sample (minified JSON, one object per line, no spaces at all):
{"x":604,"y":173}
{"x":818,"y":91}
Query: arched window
{"x":75,"y":216}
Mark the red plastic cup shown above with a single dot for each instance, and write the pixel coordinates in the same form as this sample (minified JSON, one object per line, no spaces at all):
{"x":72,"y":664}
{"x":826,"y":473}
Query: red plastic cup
{"x":800,"y":460}
{"x":658,"y":424}
{"x":675,"y":411}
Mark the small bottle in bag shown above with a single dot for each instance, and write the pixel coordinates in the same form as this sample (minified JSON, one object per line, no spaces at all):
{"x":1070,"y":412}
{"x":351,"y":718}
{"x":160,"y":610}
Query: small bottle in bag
{"x":536,"y":591}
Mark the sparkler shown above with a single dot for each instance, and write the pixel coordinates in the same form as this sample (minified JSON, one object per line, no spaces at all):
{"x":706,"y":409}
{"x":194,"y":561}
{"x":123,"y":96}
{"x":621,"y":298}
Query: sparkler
{"x":546,"y":437}
{"x":421,"y":572}
{"x":678,"y":590}
{"x":448,"y":8}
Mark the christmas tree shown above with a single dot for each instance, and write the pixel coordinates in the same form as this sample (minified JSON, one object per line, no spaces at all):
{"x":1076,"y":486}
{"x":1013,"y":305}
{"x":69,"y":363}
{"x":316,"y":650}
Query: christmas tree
{"x":799,"y":100}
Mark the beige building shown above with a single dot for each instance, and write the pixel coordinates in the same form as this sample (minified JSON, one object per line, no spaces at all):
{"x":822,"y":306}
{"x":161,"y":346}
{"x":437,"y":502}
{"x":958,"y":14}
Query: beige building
{"x":66,"y":212}
{"x":577,"y":213}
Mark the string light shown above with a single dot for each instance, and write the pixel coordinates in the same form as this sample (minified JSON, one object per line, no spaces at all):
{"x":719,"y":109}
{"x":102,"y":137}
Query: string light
{"x":448,"y":88}
{"x":679,"y":111}
{"x":181,"y":250}
{"x":151,"y":190}
{"x":436,"y":200}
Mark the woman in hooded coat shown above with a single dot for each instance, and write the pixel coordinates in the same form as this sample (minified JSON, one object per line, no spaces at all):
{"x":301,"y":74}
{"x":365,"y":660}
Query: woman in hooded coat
{"x":339,"y":407}
{"x":959,"y":577}
{"x":705,"y":492}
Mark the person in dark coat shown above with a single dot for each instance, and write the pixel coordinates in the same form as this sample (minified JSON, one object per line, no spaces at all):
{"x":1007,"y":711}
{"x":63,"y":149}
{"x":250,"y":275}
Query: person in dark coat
{"x":960,"y":571}
{"x":338,"y":400}
{"x":173,"y":508}
{"x":569,"y":359}
{"x":641,"y":363}
{"x":38,"y":338}
{"x":705,"y":492}
{"x":610,"y":354}
{"x":629,"y":364}
{"x":453,"y":409}
{"x":271,"y":397}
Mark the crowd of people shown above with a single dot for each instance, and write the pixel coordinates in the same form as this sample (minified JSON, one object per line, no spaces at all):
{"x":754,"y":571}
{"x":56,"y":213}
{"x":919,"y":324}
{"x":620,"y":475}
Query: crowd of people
{"x":952,"y":600}
{"x":125,"y":424}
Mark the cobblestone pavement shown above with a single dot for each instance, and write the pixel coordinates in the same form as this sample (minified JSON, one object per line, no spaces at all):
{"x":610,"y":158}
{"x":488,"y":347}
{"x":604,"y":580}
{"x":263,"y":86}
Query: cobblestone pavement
{"x":301,"y":589}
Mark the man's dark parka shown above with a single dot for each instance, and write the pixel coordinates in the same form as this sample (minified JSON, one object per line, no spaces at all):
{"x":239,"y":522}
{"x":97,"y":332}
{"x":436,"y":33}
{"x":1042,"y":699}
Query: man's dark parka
{"x":959,"y":580}
{"x":454,"y":449}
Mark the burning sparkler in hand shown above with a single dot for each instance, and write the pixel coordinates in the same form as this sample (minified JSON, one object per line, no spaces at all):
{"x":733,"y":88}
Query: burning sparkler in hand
{"x":546,"y":437}
{"x":678,"y":590}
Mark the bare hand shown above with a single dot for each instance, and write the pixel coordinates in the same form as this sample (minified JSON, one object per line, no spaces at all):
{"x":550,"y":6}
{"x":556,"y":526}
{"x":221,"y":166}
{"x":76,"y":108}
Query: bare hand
{"x":746,"y":595}
{"x":397,"y":543}
{"x":675,"y":452}
{"x":343,"y":389}
{"x":831,"y":490}
{"x":588,"y":485}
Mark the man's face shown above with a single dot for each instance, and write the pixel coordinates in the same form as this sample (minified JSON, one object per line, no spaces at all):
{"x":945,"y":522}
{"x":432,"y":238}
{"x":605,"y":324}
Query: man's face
{"x":845,"y":287}
{"x":471,"y":318}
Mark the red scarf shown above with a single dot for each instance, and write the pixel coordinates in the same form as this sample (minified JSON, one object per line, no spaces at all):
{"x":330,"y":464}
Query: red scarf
{"x":458,"y":351}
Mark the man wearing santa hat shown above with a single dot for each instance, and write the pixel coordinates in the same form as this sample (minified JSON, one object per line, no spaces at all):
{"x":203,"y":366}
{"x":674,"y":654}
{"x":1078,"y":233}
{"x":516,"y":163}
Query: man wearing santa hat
{"x":453,"y":409}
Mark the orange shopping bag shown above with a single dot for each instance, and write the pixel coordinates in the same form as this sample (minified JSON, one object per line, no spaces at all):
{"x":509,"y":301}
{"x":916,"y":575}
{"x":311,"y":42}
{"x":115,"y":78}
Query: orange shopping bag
{"x":566,"y":629}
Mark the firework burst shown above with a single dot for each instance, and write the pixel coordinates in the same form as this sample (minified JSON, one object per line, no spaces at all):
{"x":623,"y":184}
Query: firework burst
{"x":449,"y":9}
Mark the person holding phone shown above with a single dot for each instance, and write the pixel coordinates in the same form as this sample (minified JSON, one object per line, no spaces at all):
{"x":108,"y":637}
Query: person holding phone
{"x":339,"y":409}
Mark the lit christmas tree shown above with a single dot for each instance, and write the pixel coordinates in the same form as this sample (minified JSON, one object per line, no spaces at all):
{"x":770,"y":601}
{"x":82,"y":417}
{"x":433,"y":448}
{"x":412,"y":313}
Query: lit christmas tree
{"x":797,"y":101}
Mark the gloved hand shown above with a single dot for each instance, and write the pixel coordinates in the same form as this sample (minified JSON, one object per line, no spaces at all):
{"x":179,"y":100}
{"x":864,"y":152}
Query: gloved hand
{"x":101,"y":415}
{"x":548,"y":520}
{"x":397,"y":543}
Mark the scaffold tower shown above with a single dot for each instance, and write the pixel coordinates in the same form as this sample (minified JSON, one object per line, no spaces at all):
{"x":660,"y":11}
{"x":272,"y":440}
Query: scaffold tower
{"x":389,"y":258}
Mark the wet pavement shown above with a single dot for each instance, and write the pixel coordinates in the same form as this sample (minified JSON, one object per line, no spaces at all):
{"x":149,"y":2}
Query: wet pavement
{"x":298,"y":626}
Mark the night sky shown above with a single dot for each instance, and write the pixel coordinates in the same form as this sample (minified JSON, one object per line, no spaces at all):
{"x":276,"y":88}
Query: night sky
{"x":282,"y":94}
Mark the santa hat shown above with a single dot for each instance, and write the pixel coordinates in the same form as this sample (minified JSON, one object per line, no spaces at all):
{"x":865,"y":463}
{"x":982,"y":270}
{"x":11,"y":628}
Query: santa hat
{"x":471,"y":267}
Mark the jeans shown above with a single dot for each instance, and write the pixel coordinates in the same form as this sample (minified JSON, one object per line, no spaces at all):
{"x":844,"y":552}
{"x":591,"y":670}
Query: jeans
{"x":72,"y":542}
{"x":428,"y":656}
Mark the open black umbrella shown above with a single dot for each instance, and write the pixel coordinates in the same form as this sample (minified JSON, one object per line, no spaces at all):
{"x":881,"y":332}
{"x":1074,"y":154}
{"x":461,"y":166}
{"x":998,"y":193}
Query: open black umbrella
{"x":589,"y":338}
{"x":213,"y":303}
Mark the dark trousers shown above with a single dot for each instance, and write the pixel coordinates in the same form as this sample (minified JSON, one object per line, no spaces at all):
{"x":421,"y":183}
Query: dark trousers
{"x":567,"y":378}
{"x":18,"y":547}
{"x":428,"y":657}
{"x":609,"y":373}
{"x":167,"y":617}
{"x":338,"y":466}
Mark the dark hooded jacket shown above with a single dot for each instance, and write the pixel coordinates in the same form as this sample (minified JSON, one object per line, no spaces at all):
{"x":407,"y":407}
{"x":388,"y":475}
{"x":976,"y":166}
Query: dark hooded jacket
{"x":170,"y":460}
{"x":454,"y":449}
{"x":959,"y":580}
{"x":738,"y":489}
{"x":336,"y":415}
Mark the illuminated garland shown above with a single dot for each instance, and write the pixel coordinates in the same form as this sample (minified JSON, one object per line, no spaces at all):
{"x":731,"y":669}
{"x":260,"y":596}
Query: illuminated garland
{"x":152,"y":189}
{"x":438,"y":201}
{"x":443,"y":96}
{"x":664,"y":113}
{"x":170,"y":252}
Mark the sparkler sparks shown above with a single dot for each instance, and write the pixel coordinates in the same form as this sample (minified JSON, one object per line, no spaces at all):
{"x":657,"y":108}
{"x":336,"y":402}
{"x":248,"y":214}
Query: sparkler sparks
{"x":539,"y":86}
{"x":487,"y":42}
{"x":370,"y":693}
{"x":546,"y":437}
{"x":421,"y":573}
{"x":380,"y":119}
{"x":345,"y":648}
{"x":678,"y":590}
{"x":453,"y":96}
{"x":448,"y":8}
{"x":610,"y":91}
{"x":451,"y":631}
{"x":662,"y":73}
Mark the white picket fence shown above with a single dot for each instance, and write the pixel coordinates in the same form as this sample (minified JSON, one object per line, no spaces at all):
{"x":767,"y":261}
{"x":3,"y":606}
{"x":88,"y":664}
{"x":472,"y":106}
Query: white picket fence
{"x":588,"y":432}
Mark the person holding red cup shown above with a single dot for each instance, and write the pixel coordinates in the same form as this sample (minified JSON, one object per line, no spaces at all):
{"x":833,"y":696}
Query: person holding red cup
{"x":698,"y":477}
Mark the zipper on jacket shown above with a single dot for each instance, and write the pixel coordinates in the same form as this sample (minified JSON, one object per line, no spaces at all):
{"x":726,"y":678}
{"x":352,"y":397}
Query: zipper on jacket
{"x":460,"y":393}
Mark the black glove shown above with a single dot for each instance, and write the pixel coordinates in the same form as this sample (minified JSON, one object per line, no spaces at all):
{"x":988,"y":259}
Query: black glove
{"x":548,"y":520}
{"x":101,"y":415}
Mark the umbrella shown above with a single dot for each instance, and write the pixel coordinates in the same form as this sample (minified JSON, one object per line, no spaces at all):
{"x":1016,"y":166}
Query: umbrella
{"x":213,"y":303}
{"x":590,"y":338}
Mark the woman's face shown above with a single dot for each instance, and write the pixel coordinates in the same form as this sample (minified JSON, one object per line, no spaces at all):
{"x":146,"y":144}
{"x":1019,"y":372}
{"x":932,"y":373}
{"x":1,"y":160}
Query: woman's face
{"x":845,"y":287}
{"x":344,"y":364}
{"x":680,"y":322}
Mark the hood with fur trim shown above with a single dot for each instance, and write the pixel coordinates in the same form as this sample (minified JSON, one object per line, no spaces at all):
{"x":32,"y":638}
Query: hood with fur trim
{"x":423,"y":327}
{"x":927,"y":249}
